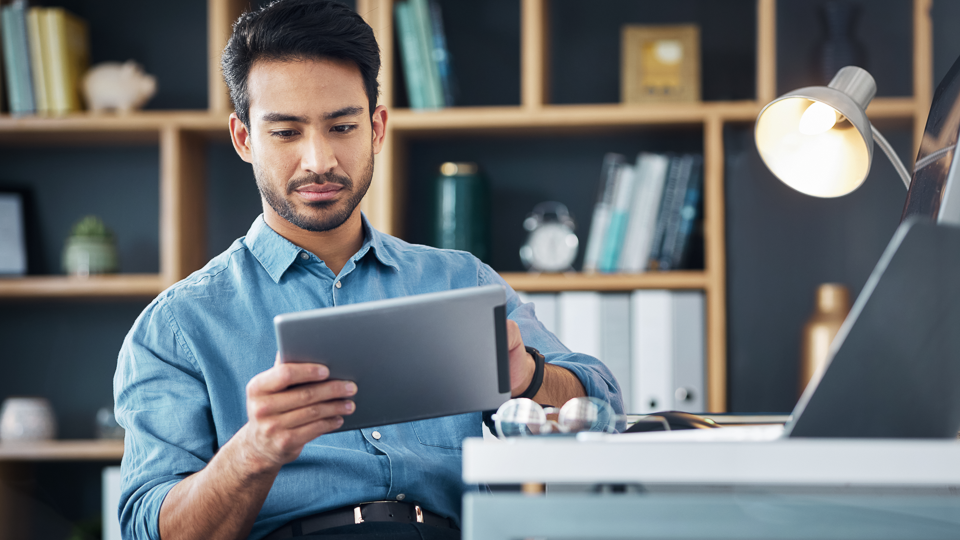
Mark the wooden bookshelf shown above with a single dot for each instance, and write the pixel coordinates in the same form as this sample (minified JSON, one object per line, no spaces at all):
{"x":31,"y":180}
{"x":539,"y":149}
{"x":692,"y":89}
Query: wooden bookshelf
{"x":182,"y":135}
{"x":62,"y":450}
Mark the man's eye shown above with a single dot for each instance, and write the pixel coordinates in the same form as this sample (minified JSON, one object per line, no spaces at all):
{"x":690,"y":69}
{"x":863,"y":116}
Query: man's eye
{"x":283,"y":134}
{"x":344,"y":128}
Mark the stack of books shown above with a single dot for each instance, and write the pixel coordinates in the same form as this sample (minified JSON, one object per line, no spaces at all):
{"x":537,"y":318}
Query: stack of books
{"x":646,"y":213}
{"x":653,"y":341}
{"x":45,"y":54}
{"x":424,"y":54}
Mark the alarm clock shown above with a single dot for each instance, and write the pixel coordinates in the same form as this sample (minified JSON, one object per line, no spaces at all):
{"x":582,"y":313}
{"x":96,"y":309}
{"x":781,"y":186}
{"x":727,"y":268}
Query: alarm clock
{"x":551,"y":244}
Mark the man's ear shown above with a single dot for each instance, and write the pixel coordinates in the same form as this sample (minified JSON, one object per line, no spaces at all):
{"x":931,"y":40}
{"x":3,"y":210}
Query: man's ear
{"x":379,"y":119}
{"x":240,"y":137}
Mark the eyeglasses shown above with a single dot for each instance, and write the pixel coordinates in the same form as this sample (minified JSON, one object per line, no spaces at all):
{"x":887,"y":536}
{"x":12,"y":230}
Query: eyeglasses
{"x":522,"y":417}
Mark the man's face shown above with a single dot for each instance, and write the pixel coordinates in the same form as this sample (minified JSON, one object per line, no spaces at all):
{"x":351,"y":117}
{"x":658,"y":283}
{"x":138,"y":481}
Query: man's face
{"x":311,"y":140}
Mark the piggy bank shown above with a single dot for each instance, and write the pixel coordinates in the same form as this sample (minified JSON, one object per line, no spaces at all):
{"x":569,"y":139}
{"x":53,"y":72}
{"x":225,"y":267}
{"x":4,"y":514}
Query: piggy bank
{"x":112,"y":85}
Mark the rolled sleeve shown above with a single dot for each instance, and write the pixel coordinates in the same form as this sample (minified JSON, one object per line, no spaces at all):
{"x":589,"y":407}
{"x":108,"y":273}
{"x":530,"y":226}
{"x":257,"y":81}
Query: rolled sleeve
{"x":597,"y":380}
{"x":163,"y":404}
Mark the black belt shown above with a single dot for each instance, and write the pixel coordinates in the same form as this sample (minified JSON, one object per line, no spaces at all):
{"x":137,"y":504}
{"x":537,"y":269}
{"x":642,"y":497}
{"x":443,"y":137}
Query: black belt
{"x":395,"y":511}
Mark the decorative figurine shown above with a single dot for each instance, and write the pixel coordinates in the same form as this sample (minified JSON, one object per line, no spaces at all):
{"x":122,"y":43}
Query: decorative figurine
{"x":112,"y":85}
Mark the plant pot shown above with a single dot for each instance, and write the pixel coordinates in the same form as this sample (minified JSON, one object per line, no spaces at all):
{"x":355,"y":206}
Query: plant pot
{"x":84,"y":255}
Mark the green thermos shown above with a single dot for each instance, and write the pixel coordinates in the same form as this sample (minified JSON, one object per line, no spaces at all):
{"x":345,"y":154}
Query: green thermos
{"x":462,"y":210}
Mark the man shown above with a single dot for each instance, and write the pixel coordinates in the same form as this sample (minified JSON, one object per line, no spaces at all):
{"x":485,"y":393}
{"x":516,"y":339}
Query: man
{"x":223,"y":440}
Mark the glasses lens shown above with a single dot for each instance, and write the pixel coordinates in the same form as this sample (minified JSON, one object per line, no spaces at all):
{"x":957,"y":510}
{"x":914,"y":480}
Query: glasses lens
{"x":587,"y":414}
{"x":519,"y":417}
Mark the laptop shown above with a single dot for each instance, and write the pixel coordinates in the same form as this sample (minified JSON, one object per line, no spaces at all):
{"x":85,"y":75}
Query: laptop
{"x":893,"y":370}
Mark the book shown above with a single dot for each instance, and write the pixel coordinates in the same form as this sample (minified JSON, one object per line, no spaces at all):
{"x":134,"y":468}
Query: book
{"x":35,"y":34}
{"x":689,"y":359}
{"x":411,"y":55}
{"x":615,"y":339}
{"x":676,"y":246}
{"x":651,"y":176}
{"x":68,"y":58}
{"x":673,"y":193}
{"x":579,"y":321}
{"x":668,"y":355}
{"x":441,"y":55}
{"x":16,"y":49}
{"x":651,"y":373}
{"x":424,"y":30}
{"x":545,"y":308}
{"x":600,"y":221}
{"x":619,"y":217}
{"x":3,"y":78}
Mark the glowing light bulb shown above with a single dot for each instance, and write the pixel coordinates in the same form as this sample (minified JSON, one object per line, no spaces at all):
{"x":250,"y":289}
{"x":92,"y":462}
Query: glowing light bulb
{"x":817,"y":119}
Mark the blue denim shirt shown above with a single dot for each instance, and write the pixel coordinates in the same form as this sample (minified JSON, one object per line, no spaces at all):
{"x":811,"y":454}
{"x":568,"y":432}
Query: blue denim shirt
{"x":182,"y":371}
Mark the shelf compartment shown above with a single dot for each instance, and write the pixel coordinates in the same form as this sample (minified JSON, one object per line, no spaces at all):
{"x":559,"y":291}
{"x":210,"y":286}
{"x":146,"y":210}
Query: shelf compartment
{"x":585,"y":46}
{"x":534,"y":282}
{"x":63,"y":450}
{"x":107,"y":286}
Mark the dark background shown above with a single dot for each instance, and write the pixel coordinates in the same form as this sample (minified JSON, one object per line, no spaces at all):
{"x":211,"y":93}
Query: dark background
{"x":780,"y":244}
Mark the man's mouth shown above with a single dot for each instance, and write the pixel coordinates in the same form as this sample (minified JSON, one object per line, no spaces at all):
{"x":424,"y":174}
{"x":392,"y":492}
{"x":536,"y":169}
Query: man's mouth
{"x":319,"y":192}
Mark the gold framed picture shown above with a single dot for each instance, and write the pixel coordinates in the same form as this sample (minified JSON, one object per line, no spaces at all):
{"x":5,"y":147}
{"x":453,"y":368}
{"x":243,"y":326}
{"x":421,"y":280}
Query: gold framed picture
{"x":660,"y":63}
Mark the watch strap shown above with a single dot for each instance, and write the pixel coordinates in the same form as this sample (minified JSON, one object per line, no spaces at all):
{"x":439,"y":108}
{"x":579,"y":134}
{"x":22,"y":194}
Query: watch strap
{"x":537,"y":381}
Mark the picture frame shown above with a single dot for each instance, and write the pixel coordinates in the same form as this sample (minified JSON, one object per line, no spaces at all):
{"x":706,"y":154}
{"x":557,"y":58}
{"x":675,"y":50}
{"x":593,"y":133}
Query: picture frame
{"x":660,"y":63}
{"x":13,"y":247}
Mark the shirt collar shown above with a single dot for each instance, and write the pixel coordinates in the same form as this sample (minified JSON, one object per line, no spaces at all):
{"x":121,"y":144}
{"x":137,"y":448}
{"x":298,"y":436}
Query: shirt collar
{"x":276,"y":253}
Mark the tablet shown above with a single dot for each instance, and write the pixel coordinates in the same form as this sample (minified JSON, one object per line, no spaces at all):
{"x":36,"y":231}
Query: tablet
{"x":412,"y":358}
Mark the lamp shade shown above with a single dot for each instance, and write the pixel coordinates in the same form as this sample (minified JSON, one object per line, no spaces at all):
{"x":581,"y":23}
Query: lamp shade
{"x":818,"y":140}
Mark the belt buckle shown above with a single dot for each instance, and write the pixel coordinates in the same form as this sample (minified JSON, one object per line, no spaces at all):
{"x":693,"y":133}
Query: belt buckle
{"x":419,"y":512}
{"x":357,"y":516}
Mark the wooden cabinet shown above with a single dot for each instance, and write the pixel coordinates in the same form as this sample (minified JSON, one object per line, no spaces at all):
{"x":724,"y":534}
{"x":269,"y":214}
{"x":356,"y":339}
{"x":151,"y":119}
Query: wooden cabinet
{"x":182,"y":137}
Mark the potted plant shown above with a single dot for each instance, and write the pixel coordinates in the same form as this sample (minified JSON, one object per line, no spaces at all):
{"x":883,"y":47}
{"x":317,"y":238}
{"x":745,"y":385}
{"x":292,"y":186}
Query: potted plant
{"x":90,"y":249}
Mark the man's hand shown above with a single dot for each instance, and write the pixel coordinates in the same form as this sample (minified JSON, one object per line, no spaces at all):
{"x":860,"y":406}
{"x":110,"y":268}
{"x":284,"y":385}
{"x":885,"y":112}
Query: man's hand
{"x":522,"y":364}
{"x":288,"y":406}
{"x":559,"y":384}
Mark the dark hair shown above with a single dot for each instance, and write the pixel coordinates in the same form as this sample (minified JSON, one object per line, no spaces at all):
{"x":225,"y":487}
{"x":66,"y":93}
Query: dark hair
{"x":298,"y":30}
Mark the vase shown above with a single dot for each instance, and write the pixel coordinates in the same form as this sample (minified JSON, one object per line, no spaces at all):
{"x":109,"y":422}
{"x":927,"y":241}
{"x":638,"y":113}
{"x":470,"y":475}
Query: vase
{"x":27,"y":419}
{"x":85,"y":255}
{"x":461,"y":217}
{"x":832,"y":306}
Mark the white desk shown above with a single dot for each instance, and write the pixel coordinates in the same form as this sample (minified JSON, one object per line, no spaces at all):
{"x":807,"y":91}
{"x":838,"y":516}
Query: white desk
{"x":828,"y":488}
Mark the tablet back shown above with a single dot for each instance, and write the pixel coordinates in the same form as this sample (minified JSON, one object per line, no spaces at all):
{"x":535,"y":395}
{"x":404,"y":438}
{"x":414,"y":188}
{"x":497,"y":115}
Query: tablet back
{"x":414,"y":357}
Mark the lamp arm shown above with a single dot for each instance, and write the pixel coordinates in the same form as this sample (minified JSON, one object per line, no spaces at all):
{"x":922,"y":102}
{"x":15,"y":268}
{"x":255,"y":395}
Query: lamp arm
{"x":891,"y":155}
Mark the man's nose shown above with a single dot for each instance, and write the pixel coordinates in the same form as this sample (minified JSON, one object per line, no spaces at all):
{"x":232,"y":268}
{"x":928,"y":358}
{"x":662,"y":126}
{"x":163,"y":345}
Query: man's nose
{"x":318,"y":155}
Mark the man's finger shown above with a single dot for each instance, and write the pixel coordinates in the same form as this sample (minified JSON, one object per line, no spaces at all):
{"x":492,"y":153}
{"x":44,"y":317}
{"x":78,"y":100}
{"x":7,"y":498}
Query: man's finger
{"x":302,"y":396}
{"x":280,"y":377}
{"x":316,"y":412}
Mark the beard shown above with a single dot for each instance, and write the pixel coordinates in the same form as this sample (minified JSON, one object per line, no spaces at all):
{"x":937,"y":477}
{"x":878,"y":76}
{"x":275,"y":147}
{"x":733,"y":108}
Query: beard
{"x":317,"y":216}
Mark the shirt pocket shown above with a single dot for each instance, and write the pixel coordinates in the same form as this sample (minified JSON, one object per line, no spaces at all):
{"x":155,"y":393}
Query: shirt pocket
{"x":448,"y":431}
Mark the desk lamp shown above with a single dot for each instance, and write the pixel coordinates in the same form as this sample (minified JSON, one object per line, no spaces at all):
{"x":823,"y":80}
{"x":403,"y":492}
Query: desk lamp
{"x":818,"y":140}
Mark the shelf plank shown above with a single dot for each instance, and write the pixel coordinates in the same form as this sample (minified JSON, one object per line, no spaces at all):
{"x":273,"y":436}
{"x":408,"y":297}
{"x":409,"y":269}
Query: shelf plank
{"x":108,"y":286}
{"x":892,"y":108}
{"x":63,"y":450}
{"x":138,"y":127}
{"x":146,"y":125}
{"x":533,"y":282}
{"x":574,"y":117}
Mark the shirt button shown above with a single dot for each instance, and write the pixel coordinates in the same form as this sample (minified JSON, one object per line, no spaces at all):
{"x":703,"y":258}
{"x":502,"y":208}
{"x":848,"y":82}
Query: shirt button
{"x":304,"y":256}
{"x":338,"y":284}
{"x":376,"y":435}
{"x":401,"y":497}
